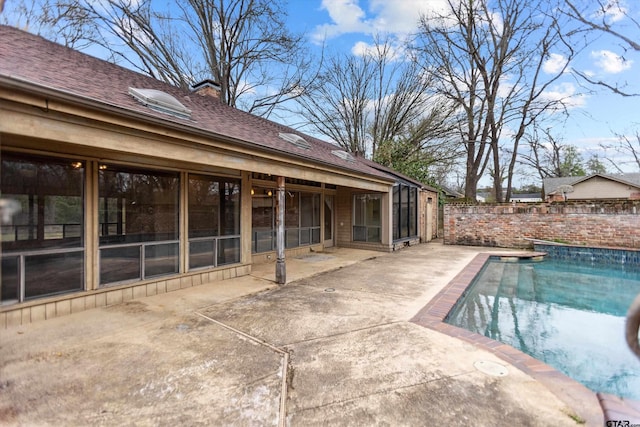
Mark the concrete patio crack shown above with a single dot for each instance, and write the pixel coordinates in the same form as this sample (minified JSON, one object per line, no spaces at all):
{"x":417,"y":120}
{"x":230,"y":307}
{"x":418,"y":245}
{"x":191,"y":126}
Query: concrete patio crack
{"x":350,"y":331}
{"x":363,"y":291}
{"x":285,"y":364}
{"x":380,"y":392}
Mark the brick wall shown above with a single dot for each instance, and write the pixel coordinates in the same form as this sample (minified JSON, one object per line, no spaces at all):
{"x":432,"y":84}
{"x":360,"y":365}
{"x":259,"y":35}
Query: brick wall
{"x":596,"y":223}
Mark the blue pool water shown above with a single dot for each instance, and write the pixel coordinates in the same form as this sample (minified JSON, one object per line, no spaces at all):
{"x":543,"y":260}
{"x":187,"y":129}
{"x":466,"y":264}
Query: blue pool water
{"x":571,"y":316}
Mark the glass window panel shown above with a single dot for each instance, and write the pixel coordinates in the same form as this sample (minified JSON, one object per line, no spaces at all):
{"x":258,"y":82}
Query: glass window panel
{"x":328,"y":218}
{"x":359,"y":209}
{"x":10,"y":278}
{"x":292,"y":209}
{"x":404,"y":221}
{"x":310,"y":210}
{"x":228,"y":251}
{"x":305,"y":236}
{"x":262,"y":211}
{"x":359,"y":233}
{"x":374,"y":210}
{"x":201,"y":254}
{"x":262,"y":220}
{"x":55,"y":273}
{"x":146,"y":204}
{"x":373,"y":234}
{"x":119,"y":264}
{"x":263,"y":241}
{"x":367,"y":217}
{"x":63,"y":217}
{"x":49,"y":192}
{"x":396,"y":212}
{"x":204,"y":206}
{"x":292,"y":238}
{"x":316,"y":210}
{"x":230,"y":208}
{"x":315,"y":236}
{"x":404,"y":211}
{"x":160,"y":260}
{"x":413,"y":207}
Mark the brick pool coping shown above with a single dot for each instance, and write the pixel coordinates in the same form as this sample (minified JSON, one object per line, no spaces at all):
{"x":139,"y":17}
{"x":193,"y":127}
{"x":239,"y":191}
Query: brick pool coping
{"x":578,"y":397}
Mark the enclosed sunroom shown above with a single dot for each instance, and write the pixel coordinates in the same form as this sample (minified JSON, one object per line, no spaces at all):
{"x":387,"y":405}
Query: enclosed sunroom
{"x":111,"y":193}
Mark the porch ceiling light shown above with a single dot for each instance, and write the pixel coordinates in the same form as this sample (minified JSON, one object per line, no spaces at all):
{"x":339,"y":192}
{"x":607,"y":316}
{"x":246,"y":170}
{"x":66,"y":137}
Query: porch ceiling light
{"x":160,"y":101}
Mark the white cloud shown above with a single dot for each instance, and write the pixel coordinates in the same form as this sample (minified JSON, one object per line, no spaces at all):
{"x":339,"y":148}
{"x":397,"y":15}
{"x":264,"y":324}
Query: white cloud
{"x":393,"y":53}
{"x":567,"y":93}
{"x":554,"y":64}
{"x":610,"y":62}
{"x":402,"y":17}
{"x":396,"y":18}
{"x":615,"y":10}
{"x":361,"y":49}
{"x":346,"y":17}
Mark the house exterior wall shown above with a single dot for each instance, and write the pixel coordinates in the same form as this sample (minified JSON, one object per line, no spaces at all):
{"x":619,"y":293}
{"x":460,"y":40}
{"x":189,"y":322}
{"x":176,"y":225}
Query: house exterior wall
{"x":596,"y":223}
{"x":600,"y":188}
{"x":49,"y":308}
{"x":428,"y":212}
{"x":344,"y":222}
{"x":61,"y":129}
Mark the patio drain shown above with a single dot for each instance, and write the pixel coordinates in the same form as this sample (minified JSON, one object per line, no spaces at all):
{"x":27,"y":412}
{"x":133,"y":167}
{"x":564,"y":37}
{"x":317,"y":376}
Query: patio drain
{"x":491,"y":368}
{"x":182,"y":327}
{"x":329,"y":290}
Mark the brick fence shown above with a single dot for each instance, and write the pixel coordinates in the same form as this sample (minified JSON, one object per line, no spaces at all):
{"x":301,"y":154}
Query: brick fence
{"x":592,"y":223}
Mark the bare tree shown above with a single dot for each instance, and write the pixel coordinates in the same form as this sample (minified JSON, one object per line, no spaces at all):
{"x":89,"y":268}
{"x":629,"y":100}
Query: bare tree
{"x":601,"y":17}
{"x":241,"y":44}
{"x":489,"y":57}
{"x":56,"y":21}
{"x":550,"y":157}
{"x":626,"y":146}
{"x":381,"y":105}
{"x":611,"y":18}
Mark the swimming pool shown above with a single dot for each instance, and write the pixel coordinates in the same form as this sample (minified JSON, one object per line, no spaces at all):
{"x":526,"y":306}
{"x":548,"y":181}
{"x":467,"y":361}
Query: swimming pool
{"x":567,"y":314}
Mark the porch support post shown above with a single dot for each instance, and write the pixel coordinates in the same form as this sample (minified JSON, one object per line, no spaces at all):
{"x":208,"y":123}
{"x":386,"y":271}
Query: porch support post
{"x":281,"y":270}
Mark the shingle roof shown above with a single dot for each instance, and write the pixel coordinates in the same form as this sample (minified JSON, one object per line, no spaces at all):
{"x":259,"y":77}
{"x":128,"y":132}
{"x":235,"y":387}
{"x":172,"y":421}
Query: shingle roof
{"x":551,"y":184}
{"x":397,"y":175}
{"x":31,"y":59}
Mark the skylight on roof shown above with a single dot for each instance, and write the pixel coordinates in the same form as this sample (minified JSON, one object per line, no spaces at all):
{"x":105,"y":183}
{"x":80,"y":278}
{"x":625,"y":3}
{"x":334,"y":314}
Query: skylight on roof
{"x":343,"y":155}
{"x":160,"y":101}
{"x":296,"y":140}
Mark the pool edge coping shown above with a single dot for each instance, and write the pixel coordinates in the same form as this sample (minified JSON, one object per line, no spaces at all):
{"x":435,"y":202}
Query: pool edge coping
{"x":576,"y":396}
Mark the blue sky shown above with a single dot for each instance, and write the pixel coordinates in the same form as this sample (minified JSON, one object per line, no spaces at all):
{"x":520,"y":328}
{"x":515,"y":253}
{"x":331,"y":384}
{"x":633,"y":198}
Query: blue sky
{"x":348,"y":25}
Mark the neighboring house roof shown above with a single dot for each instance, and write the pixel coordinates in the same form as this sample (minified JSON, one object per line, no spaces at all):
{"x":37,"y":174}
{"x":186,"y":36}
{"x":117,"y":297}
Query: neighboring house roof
{"x":41,"y":66}
{"x":449,"y":192}
{"x":631,"y":178}
{"x":530,"y":197}
{"x":551,"y":184}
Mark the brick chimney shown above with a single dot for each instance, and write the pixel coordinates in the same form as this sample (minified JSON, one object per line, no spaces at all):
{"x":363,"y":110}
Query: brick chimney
{"x":207,"y":88}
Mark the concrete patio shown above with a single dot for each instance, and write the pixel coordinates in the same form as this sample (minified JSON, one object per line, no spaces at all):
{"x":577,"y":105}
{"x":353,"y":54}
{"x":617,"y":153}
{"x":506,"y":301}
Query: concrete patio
{"x":334,"y":346}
